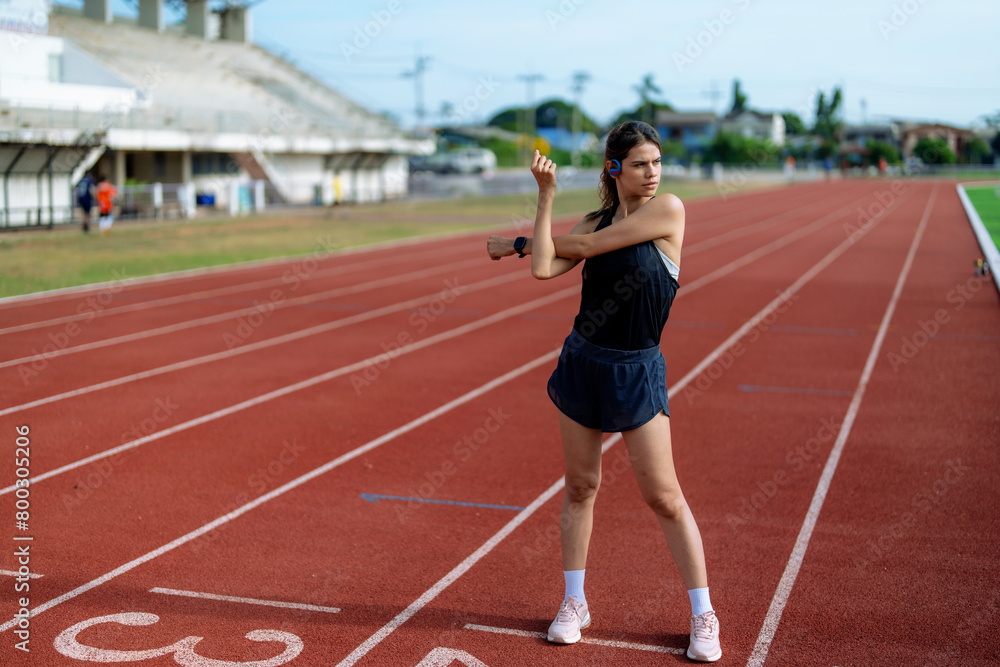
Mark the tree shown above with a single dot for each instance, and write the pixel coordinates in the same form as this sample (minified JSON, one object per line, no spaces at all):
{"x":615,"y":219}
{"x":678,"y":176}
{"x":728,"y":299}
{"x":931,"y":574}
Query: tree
{"x":881,"y":149}
{"x":730,"y":148}
{"x":976,"y":151}
{"x":739,"y":99}
{"x":794,"y":125}
{"x":674,"y":149}
{"x":646,"y":104}
{"x":828,"y":123}
{"x":934,"y":151}
{"x":551,"y":113}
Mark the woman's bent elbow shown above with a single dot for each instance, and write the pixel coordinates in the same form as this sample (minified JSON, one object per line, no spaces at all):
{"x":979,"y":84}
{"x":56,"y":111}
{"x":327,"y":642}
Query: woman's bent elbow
{"x":541,"y":273}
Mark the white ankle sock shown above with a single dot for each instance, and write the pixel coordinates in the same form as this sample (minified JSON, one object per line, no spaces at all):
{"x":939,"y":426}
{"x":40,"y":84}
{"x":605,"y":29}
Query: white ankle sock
{"x":574,"y":584}
{"x":700,"y":602}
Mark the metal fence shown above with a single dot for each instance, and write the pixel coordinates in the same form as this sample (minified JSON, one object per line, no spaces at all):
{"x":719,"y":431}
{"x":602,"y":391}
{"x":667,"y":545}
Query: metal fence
{"x":34,"y":217}
{"x":156,"y":200}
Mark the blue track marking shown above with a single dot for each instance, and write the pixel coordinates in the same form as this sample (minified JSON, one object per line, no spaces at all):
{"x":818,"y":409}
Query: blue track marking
{"x":375,"y":497}
{"x":794,"y":390}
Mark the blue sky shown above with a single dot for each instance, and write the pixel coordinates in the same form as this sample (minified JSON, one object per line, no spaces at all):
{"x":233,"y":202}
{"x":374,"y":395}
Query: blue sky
{"x":911,"y":59}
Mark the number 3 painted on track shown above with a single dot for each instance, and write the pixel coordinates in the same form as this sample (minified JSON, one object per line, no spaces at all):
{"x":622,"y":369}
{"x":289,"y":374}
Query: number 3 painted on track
{"x":183,"y":650}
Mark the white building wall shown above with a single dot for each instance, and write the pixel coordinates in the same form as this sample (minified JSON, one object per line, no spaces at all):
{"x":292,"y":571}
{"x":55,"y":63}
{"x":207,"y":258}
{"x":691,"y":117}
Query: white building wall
{"x":396,"y":174}
{"x":300,"y":174}
{"x":43,"y":71}
{"x":25,"y":199}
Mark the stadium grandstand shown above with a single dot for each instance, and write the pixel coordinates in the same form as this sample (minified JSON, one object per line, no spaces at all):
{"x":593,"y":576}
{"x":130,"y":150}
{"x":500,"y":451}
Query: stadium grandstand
{"x":183,"y":114}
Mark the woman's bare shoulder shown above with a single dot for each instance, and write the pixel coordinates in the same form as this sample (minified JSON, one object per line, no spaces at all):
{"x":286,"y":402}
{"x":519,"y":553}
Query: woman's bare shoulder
{"x":667,"y":203}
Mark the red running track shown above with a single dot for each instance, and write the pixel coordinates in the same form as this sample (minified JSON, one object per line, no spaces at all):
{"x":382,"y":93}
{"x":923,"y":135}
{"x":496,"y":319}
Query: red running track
{"x":350,"y":458}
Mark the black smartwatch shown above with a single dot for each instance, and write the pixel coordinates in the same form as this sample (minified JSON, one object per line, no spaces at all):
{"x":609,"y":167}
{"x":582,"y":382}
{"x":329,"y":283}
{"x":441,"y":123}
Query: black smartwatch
{"x":519,"y":245}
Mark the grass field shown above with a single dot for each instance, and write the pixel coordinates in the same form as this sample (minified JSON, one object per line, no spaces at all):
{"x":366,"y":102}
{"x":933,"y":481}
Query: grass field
{"x":987,"y":203}
{"x":42,"y":260}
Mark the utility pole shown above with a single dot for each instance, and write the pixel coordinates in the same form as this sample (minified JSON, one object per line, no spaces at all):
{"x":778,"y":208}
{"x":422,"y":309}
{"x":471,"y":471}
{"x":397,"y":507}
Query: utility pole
{"x":419,"y":67}
{"x":713,"y":93}
{"x":579,"y":80}
{"x":529,"y":112}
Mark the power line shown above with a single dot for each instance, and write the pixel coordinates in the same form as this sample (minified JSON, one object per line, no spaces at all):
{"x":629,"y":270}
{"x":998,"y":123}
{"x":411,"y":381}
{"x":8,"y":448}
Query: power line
{"x":417,"y":74}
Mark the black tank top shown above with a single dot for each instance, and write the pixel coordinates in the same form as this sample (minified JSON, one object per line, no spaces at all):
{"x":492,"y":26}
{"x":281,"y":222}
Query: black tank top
{"x":626,"y":296}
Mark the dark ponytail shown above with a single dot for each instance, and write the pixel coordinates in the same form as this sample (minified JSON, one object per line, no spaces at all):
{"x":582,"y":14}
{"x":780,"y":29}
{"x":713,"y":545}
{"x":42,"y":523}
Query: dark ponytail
{"x":620,"y":141}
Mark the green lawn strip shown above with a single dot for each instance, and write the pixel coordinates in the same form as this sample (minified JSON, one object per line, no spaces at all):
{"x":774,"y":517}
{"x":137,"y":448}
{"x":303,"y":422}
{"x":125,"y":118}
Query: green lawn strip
{"x":987,"y":204}
{"x":41,"y":260}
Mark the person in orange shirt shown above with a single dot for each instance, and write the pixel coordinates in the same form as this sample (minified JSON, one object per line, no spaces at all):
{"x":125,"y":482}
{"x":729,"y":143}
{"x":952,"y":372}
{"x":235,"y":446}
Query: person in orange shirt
{"x":106,"y":194}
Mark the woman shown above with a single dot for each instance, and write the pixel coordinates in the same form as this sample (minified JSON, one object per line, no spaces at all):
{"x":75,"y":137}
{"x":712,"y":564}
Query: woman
{"x":611,"y":376}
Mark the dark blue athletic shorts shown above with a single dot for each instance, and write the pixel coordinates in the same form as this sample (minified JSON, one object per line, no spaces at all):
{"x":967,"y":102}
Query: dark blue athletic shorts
{"x":609,"y":390}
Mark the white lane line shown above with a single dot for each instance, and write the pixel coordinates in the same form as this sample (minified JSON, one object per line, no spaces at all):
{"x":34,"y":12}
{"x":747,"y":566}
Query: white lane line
{"x":268,"y":306}
{"x":8,"y":573}
{"x":286,"y":279}
{"x":230,"y":598}
{"x":269,"y":342}
{"x":781,"y":595}
{"x":309,"y":382}
{"x":465,"y":565}
{"x":298,"y":481}
{"x":585,"y":640}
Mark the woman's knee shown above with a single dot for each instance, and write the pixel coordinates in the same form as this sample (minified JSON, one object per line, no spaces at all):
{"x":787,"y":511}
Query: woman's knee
{"x":582,"y":488}
{"x":669,"y":504}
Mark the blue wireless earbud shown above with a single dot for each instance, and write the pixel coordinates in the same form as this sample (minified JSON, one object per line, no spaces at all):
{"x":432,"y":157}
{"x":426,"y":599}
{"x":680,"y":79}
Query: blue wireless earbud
{"x":615,"y":169}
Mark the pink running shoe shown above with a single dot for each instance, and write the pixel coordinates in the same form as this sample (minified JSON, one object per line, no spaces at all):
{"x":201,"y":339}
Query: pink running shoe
{"x":573,"y":616}
{"x":704,"y":645}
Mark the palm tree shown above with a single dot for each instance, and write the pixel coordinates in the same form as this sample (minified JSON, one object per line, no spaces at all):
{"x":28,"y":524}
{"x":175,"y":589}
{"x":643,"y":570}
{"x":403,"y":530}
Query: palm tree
{"x":646,"y":104}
